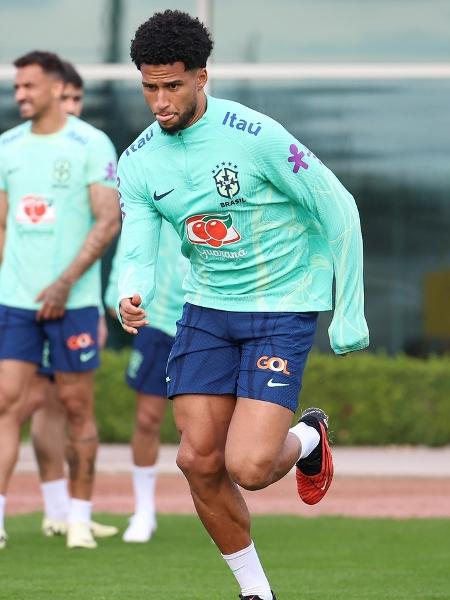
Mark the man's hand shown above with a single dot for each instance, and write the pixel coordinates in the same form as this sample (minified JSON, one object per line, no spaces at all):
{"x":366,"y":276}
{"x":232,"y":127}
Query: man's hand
{"x":53,"y":298}
{"x":132,"y":316}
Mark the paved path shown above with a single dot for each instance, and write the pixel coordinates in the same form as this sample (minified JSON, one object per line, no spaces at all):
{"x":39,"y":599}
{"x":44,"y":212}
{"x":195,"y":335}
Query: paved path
{"x":349,"y":462}
{"x":370,"y":482}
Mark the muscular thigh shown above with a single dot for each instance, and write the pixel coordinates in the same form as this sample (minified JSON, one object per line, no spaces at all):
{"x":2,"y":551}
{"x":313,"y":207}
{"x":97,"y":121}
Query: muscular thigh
{"x":39,"y":394}
{"x":203,"y":420}
{"x":257,"y":432}
{"x":15,"y":377}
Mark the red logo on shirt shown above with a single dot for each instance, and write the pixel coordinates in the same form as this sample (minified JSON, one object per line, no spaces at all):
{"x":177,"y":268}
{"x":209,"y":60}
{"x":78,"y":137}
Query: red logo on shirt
{"x":35,"y":209}
{"x":212,"y":230}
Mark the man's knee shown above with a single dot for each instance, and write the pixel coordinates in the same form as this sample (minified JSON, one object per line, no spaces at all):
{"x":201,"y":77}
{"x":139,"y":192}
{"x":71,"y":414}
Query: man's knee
{"x":9,"y":397}
{"x":76,"y":394}
{"x":196,"y":465}
{"x":148,"y":421}
{"x":251,"y":473}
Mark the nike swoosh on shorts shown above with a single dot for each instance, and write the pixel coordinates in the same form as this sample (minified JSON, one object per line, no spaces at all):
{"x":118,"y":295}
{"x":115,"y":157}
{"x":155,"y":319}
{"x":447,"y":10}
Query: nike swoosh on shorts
{"x":272,"y":383}
{"x":85,"y":356}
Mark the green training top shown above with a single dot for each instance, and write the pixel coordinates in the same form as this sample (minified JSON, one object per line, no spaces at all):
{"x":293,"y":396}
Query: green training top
{"x":167,"y":304}
{"x":46,"y":178}
{"x":263,"y":222}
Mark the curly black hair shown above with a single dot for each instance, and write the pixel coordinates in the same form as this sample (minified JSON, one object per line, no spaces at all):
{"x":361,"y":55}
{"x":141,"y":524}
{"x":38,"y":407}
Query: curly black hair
{"x":171,"y":36}
{"x":48,"y":61}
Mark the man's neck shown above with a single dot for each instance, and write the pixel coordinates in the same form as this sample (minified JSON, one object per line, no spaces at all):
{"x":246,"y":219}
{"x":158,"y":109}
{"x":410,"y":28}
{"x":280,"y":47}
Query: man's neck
{"x":201,"y":109}
{"x":51,"y":122}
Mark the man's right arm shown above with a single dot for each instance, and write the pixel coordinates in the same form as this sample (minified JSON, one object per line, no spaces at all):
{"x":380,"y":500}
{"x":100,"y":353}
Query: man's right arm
{"x":3,"y":215}
{"x":139,"y":247}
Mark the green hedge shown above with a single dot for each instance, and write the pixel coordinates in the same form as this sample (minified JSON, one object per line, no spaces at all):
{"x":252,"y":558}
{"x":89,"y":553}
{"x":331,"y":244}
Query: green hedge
{"x":372,"y":399}
{"x":115,"y":402}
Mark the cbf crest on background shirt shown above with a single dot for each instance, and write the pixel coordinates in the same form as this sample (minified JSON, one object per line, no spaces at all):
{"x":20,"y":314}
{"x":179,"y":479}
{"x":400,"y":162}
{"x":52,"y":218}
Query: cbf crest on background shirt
{"x":47,"y":179}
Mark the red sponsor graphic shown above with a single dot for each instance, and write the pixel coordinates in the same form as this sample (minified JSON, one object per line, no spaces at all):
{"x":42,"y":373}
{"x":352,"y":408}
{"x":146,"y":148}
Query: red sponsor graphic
{"x":212,"y":230}
{"x":273,"y":363}
{"x":80,"y":341}
{"x":35,"y":209}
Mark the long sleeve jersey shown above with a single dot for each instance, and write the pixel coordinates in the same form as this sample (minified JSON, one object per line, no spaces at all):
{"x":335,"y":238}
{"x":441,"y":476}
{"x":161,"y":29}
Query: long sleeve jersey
{"x":264,"y":224}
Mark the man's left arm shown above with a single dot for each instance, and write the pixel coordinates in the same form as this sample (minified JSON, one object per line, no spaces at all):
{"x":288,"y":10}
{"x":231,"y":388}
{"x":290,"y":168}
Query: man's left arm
{"x":300,"y":174}
{"x":105,"y":209}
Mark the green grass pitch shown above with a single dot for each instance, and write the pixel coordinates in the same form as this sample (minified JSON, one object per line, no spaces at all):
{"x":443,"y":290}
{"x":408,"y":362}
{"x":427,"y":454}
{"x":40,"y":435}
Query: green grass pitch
{"x":327,"y":558}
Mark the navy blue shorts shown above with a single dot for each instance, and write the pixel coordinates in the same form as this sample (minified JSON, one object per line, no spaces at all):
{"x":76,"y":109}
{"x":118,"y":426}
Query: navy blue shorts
{"x":147,"y":367}
{"x":72,"y":340}
{"x":258,"y":355}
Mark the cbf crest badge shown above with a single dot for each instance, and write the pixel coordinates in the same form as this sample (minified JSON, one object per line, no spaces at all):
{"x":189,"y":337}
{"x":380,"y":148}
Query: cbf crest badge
{"x":226,"y":179}
{"x":61,"y":170}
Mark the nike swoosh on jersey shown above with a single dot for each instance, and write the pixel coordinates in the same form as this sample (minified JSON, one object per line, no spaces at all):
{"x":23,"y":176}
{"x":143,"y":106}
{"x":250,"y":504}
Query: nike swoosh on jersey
{"x":157,"y":197}
{"x":85,"y":356}
{"x":272,"y":383}
{"x":12,"y":170}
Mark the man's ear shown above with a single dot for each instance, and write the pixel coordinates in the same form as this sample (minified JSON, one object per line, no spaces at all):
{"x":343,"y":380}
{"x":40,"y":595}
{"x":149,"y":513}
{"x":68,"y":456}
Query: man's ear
{"x":202,"y":78}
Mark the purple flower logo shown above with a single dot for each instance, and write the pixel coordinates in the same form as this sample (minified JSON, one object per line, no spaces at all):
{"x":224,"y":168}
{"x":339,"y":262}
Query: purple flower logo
{"x":297,"y":158}
{"x":110,"y":174}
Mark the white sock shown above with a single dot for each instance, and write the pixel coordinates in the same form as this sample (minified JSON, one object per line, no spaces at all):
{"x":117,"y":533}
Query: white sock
{"x":56,"y":499}
{"x":308,"y":436}
{"x":144,"y":491}
{"x":2,"y":511}
{"x":79,"y":511}
{"x":249,"y":573}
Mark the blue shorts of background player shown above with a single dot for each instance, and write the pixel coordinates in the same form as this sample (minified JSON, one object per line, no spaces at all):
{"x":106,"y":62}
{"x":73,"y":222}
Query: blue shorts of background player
{"x":147,"y":367}
{"x":72,"y":339}
{"x":260,"y":355}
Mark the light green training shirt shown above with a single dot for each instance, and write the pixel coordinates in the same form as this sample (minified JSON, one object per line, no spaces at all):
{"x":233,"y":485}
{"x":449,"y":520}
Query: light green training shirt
{"x":46,"y":178}
{"x":264,"y":224}
{"x":166,"y":307}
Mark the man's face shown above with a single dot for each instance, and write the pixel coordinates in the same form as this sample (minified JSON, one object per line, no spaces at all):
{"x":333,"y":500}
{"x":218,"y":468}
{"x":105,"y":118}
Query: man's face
{"x":173,"y":94}
{"x":35,"y":91}
{"x":72,"y":99}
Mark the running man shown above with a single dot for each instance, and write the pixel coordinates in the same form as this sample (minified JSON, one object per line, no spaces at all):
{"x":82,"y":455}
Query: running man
{"x":266,"y":226}
{"x":48,"y":421}
{"x":147,"y":375}
{"x":59,"y":213}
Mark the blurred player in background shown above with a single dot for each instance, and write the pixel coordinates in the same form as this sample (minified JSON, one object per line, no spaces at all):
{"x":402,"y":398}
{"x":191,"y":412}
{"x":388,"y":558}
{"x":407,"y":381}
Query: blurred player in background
{"x":147,"y":375}
{"x":266,"y":227}
{"x":49,"y":418}
{"x":59,"y":213}
{"x":73,"y":93}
